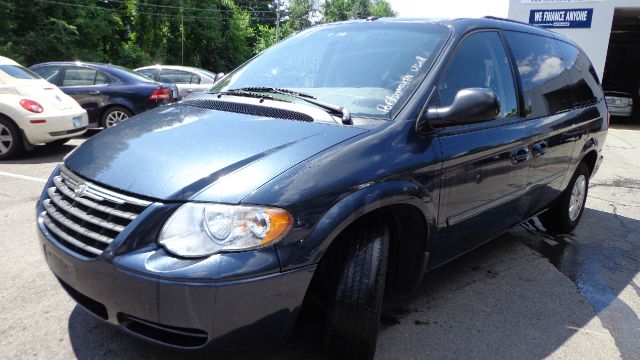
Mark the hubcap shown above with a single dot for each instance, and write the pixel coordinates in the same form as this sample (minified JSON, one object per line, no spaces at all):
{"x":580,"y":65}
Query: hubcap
{"x":6,"y":139}
{"x":116,"y":117}
{"x":576,"y":202}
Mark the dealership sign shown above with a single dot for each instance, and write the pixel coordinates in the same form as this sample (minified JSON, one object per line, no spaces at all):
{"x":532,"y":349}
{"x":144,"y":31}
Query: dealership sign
{"x":558,"y":1}
{"x":561,"y":18}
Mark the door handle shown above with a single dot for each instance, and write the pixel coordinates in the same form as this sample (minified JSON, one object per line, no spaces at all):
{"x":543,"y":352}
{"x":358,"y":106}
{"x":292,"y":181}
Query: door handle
{"x":520,"y":155}
{"x":540,"y":148}
{"x":94,"y":92}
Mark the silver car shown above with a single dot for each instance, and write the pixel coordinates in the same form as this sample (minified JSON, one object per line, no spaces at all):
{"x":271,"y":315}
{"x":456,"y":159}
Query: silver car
{"x":188,"y":79}
{"x":619,"y":103}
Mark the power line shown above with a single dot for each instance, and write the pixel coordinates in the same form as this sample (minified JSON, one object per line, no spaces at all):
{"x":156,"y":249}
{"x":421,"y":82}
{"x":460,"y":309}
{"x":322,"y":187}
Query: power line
{"x":185,"y":8}
{"x":144,"y":13}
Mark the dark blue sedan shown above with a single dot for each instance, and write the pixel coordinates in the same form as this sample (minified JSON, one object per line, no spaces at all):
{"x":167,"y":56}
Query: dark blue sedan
{"x":109,"y":93}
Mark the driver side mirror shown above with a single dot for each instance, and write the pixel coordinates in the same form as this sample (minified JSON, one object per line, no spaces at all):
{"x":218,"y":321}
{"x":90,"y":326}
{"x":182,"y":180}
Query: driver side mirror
{"x":218,"y":76}
{"x":469,"y":106}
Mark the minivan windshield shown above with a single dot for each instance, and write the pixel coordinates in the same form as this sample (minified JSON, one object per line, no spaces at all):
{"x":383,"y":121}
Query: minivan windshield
{"x":369,"y":68}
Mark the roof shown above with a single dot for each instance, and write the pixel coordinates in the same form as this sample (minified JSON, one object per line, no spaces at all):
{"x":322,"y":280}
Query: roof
{"x":7,"y":61}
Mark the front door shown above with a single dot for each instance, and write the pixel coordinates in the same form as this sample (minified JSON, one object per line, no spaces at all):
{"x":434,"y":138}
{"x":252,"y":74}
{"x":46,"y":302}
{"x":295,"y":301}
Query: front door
{"x":485,"y":165}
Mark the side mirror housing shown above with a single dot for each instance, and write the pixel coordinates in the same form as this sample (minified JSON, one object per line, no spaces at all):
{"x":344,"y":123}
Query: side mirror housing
{"x":471,"y":105}
{"x":219,"y":76}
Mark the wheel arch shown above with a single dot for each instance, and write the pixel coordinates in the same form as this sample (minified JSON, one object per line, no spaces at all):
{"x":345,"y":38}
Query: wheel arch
{"x":409,"y":215}
{"x":590,"y":159}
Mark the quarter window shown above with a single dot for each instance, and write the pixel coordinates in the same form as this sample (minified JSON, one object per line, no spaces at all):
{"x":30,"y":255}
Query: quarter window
{"x":480,"y":62}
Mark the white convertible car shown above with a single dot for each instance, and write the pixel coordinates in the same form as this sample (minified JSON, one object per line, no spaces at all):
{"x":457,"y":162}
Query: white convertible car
{"x":33,"y":111}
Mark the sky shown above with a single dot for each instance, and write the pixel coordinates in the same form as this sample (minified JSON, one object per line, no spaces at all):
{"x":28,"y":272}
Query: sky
{"x":450,"y":8}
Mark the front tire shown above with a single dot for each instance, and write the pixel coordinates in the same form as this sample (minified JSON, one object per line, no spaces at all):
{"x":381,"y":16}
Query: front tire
{"x":565,"y":215}
{"x":10,"y":140}
{"x":113,"y":116}
{"x":356,"y":291}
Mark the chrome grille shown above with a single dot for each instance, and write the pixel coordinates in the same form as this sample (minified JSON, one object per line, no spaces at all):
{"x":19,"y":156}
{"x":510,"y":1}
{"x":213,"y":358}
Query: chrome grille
{"x":85,"y":217}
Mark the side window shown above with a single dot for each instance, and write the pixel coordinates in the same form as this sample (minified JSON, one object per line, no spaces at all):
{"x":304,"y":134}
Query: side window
{"x":555,"y":75}
{"x":79,"y":76}
{"x":480,"y":61}
{"x":175,"y":76}
{"x":49,"y":73}
{"x":195,"y":79}
{"x":150,"y":73}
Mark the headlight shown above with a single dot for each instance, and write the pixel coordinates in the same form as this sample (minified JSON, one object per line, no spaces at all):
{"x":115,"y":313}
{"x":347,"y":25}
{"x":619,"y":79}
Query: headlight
{"x":197,"y":230}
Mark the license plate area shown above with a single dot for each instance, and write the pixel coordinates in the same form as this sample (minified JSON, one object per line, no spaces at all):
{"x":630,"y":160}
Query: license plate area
{"x":78,"y":122}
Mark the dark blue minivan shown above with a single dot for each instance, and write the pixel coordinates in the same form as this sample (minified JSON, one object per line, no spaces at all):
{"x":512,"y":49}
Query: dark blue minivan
{"x":336,"y":167}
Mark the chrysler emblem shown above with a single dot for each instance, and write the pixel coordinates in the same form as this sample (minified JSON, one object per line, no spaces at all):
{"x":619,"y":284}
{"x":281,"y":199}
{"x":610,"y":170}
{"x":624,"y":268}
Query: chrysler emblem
{"x":80,"y":189}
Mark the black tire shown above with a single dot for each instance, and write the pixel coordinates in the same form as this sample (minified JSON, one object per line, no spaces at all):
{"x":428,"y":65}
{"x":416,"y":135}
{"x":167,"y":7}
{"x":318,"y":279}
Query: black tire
{"x":115,"y":109}
{"x":557,"y":218}
{"x":356,"y":291}
{"x":10,"y":139}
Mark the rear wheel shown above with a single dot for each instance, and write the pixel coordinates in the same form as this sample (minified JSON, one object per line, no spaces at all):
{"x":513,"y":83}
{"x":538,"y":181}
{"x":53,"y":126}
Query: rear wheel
{"x":356,"y":291}
{"x":114,"y":115}
{"x":564,"y":216}
{"x":10,"y":139}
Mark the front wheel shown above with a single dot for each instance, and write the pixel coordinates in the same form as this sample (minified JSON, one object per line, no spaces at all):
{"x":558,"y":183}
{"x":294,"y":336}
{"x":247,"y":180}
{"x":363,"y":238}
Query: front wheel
{"x":115,"y":115}
{"x":357,"y":288}
{"x":564,"y":216}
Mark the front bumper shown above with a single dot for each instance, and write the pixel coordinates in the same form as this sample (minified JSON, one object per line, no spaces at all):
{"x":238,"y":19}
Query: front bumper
{"x":226,"y":302}
{"x":620,"y":111}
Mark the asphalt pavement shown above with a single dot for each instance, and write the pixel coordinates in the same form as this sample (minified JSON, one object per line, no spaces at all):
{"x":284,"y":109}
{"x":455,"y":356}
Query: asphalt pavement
{"x":528,"y":294}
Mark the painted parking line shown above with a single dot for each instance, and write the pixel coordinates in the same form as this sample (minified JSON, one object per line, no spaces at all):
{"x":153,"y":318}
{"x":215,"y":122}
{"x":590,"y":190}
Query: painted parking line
{"x":23,"y":177}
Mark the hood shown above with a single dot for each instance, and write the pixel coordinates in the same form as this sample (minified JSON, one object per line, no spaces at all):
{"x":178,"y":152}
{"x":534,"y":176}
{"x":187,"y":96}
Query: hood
{"x":181,"y":152}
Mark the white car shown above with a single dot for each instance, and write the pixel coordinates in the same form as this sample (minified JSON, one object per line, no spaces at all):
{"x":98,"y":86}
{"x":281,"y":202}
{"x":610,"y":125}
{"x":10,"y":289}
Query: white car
{"x":33,"y":111}
{"x":188,"y":79}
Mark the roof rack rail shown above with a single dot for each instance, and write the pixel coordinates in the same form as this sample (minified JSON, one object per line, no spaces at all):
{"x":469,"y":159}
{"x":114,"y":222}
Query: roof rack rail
{"x":509,"y":20}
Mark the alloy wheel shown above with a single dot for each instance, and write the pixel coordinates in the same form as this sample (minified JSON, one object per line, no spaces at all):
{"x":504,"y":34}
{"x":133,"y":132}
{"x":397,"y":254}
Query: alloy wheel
{"x":6,"y":139}
{"x":576,"y":202}
{"x":115,"y":117}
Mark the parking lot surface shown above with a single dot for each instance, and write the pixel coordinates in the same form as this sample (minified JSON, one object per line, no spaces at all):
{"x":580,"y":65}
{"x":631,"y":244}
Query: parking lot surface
{"x":526,"y":295}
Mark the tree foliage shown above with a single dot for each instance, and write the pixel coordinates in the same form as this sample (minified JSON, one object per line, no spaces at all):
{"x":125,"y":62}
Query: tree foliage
{"x":213,"y":34}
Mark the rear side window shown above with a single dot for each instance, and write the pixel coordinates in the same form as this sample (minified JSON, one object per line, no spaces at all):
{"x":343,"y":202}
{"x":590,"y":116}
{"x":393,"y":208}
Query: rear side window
{"x":480,"y":61}
{"x":18,"y":72}
{"x":552,"y":74}
{"x":178,"y":77}
{"x":49,"y":73}
{"x":81,"y":76}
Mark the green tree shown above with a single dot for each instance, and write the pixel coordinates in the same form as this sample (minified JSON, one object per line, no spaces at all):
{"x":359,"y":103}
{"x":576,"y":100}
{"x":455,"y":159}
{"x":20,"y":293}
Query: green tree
{"x":301,"y":13}
{"x":381,"y":8}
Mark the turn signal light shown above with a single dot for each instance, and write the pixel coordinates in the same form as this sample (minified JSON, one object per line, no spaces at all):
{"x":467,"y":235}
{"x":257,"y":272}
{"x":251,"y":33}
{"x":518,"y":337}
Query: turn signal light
{"x":31,"y":105}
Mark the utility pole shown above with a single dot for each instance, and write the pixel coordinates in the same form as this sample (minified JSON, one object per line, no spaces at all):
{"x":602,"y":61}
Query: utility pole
{"x":277,"y":20}
{"x":182,"y":32}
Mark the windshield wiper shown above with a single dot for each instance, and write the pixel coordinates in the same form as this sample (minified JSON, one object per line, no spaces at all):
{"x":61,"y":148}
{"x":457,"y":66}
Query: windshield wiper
{"x":247,"y":93}
{"x":334,"y":109}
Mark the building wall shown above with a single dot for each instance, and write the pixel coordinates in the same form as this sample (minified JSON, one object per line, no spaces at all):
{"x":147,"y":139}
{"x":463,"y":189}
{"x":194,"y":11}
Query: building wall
{"x":593,"y":41}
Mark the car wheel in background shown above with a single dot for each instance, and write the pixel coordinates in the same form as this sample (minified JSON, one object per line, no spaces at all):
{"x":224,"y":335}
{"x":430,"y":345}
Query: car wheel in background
{"x":355,"y":297}
{"x":113,"y":116}
{"x":10,"y":139}
{"x":566,"y":213}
